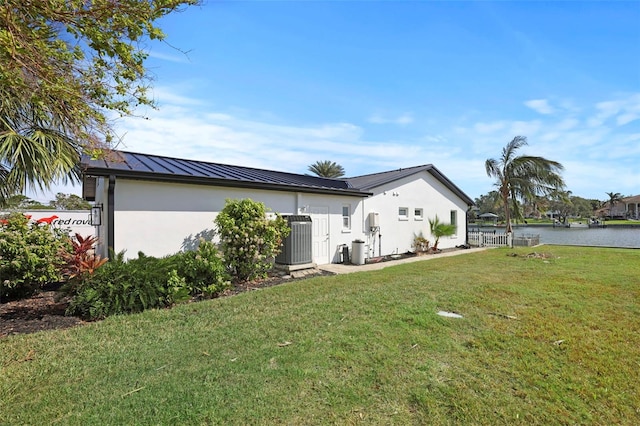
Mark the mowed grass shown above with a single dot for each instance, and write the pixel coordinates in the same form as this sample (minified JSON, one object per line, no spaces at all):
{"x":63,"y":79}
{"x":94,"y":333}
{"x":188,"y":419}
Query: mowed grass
{"x":551,"y":339}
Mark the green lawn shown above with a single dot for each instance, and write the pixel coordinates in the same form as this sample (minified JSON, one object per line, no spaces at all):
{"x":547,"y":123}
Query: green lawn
{"x":621,"y":222}
{"x":551,"y":339}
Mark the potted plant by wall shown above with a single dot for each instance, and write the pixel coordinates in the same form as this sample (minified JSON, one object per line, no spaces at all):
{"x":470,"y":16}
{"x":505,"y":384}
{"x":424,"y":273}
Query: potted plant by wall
{"x":420,"y":244}
{"x":440,"y":229}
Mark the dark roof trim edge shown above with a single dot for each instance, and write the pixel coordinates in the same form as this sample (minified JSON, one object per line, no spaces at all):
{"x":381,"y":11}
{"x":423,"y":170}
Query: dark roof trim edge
{"x":450,"y":185}
{"x":155,"y":177}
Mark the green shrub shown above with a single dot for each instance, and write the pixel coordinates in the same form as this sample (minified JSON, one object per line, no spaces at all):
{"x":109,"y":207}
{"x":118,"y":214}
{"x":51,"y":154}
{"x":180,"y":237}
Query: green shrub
{"x":177,"y":288}
{"x":248,"y":239}
{"x":203,"y":270}
{"x":121,"y":287}
{"x":29,"y":256}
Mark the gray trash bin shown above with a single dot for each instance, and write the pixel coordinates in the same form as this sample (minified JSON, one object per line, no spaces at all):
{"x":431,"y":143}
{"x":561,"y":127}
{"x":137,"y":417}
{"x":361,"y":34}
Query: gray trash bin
{"x":357,"y":252}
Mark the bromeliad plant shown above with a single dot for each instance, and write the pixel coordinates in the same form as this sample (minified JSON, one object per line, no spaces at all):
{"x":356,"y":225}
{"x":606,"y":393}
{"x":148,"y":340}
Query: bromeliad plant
{"x":80,"y":260}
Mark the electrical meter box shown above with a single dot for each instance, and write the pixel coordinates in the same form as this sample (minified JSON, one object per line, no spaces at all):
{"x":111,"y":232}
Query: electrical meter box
{"x":374,"y":220}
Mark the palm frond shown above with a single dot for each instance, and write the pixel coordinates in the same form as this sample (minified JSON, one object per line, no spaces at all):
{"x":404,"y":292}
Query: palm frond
{"x":38,"y":157}
{"x":327,"y":168}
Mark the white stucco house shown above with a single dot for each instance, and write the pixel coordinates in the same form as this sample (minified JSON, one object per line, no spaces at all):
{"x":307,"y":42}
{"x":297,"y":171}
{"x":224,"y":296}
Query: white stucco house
{"x":161,"y":205}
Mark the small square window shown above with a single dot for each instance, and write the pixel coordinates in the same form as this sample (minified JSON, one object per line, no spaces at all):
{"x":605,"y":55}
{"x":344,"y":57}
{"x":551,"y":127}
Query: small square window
{"x":418,"y":214}
{"x":403,"y":213}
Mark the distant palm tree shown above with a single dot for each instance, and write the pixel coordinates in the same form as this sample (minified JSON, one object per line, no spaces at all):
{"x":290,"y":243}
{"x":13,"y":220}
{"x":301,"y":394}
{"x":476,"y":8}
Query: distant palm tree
{"x":522,"y":177}
{"x":614,"y":197}
{"x":327,"y":168}
{"x":595,"y":205}
{"x":489,"y":202}
{"x":535,"y":205}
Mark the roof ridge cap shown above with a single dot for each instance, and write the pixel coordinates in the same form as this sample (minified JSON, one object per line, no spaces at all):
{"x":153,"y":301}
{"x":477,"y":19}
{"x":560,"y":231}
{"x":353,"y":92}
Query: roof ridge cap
{"x":394,"y":170}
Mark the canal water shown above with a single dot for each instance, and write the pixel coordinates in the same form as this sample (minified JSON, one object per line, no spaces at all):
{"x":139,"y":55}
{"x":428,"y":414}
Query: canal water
{"x":604,"y":237}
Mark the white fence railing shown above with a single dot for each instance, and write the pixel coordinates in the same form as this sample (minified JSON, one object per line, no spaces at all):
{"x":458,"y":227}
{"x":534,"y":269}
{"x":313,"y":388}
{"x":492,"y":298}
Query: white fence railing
{"x":490,"y":239}
{"x":494,"y":239}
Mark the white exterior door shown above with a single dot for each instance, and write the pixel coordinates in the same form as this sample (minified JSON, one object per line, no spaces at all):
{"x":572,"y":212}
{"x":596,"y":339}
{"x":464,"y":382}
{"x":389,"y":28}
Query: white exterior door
{"x":320,"y":225}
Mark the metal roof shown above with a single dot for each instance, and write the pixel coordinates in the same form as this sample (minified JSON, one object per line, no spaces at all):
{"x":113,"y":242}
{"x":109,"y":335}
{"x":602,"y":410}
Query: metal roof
{"x":154,"y":167}
{"x":368,"y":182}
{"x":376,"y":179}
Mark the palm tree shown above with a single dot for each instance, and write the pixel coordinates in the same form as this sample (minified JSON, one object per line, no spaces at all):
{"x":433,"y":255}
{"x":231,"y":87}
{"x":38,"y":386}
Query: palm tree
{"x":327,"y":168}
{"x":35,"y":151}
{"x":440,"y":229}
{"x":614,"y":197}
{"x":534,"y":206}
{"x":489,"y":202}
{"x":595,"y":205}
{"x":561,"y":203}
{"x":522,"y":177}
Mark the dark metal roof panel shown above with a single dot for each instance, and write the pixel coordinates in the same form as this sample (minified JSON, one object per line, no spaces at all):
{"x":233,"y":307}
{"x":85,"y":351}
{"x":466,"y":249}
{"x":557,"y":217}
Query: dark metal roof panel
{"x":376,"y":179}
{"x":155,"y":167}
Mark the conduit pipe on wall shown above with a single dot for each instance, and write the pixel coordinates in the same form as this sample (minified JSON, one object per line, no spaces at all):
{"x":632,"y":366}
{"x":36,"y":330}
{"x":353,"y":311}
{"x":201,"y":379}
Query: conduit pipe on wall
{"x":111,"y":214}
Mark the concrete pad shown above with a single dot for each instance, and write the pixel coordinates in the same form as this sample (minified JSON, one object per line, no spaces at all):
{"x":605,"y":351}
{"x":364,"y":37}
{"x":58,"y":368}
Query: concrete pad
{"x":292,"y":268}
{"x":339,"y":268}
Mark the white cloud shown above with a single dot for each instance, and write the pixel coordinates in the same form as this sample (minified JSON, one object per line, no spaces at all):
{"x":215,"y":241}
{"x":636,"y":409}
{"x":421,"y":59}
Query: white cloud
{"x":223,"y":138}
{"x":605,"y":110}
{"x":596,"y":159}
{"x":177,"y":57}
{"x":486,"y":128}
{"x":525,"y":128}
{"x":626,"y":118}
{"x":403,"y":119}
{"x":435,"y":139}
{"x":170,"y":99}
{"x":567,"y":124}
{"x":623,"y":110}
{"x":541,"y":106}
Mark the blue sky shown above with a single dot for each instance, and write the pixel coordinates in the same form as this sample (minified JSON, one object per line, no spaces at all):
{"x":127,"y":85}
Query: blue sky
{"x":376,"y":86}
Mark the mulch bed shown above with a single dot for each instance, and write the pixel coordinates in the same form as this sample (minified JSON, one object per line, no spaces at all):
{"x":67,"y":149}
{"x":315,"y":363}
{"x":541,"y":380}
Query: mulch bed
{"x":44,"y":311}
{"x":37,"y":313}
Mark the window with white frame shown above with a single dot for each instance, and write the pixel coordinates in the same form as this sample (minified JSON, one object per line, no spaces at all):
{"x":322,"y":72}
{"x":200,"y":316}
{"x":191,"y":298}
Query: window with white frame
{"x":454,"y":219}
{"x":418,"y":214}
{"x":403,"y":213}
{"x":346,"y":217}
